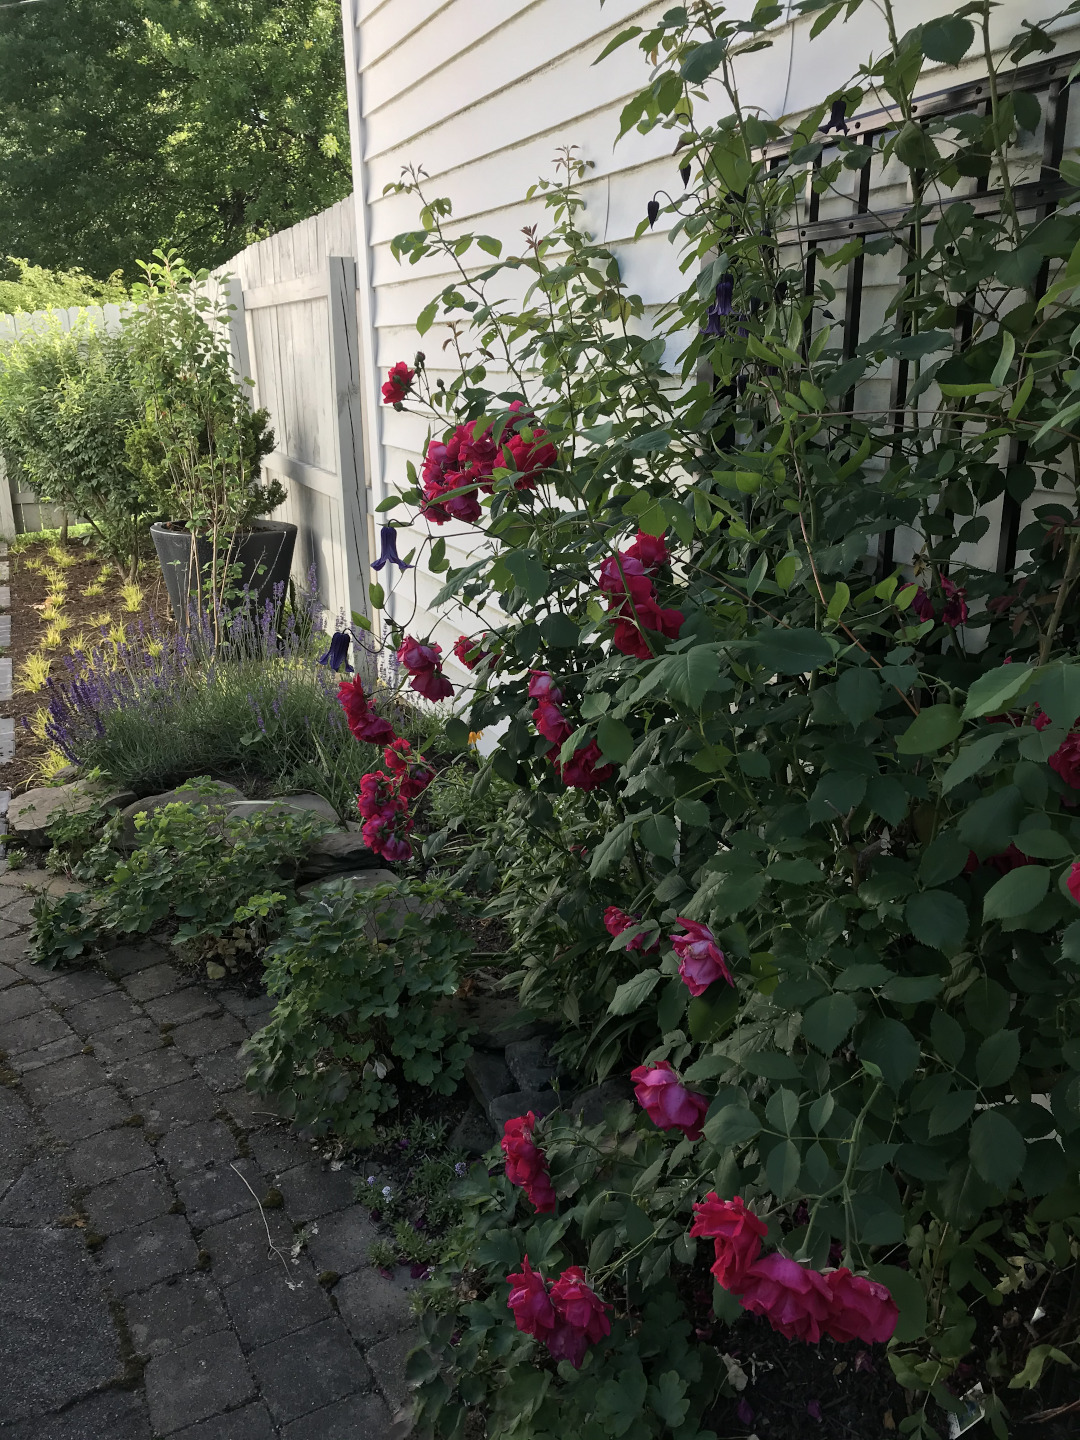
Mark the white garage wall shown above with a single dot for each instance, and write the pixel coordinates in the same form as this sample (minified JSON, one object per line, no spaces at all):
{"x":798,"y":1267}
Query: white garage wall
{"x":481,"y":93}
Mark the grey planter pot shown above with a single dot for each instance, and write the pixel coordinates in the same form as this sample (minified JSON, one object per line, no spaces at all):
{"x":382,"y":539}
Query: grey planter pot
{"x":263,"y":553}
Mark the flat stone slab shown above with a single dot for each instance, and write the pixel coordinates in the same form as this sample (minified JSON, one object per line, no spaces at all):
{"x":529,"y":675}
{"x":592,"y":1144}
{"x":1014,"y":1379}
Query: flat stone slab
{"x":212,"y":793}
{"x":316,"y":806}
{"x":30,"y":814}
{"x":57,"y":1339}
{"x":337,"y":852}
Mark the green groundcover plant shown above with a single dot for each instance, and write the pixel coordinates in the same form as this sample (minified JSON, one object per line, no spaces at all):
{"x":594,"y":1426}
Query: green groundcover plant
{"x":821,"y":885}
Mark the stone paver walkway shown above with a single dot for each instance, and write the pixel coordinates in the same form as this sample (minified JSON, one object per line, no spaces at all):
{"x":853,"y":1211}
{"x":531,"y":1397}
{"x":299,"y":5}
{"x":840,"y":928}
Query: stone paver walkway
{"x":139,"y":1297}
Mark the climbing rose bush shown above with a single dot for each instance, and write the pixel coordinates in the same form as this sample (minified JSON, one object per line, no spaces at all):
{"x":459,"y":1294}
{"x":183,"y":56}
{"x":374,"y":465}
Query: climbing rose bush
{"x":755,"y":695}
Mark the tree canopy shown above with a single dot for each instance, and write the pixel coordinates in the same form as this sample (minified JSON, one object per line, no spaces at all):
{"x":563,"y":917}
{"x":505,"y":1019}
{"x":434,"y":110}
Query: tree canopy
{"x":126,"y":124}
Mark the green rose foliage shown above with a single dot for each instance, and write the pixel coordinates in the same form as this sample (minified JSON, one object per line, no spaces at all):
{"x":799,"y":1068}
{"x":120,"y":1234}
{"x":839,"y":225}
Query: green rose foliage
{"x":872,"y":804}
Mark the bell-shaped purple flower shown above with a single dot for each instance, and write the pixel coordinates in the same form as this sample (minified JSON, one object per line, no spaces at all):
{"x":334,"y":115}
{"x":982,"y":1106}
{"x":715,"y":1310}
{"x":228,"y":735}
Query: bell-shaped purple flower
{"x":721,"y":306}
{"x":388,"y":550}
{"x":837,"y":118}
{"x":337,"y":657}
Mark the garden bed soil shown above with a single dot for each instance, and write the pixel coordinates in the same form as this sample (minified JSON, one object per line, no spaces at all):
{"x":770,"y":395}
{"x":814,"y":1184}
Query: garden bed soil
{"x":29,"y":588}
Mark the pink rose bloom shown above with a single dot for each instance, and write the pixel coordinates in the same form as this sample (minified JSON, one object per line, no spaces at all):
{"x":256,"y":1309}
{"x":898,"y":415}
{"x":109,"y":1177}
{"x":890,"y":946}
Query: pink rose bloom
{"x":470,"y":652}
{"x":1066,"y":760}
{"x":861,"y":1308}
{"x":533,"y":1311}
{"x":550,"y":722}
{"x":956,"y":610}
{"x":701,"y":961}
{"x":543,"y":687}
{"x":628,"y":636}
{"x":526,"y":1164}
{"x":398,"y":383}
{"x":650,"y":550}
{"x":616,"y":921}
{"x":1073,"y":882}
{"x":582,"y":1316}
{"x":528,"y":457}
{"x":666,"y":1100}
{"x":794,"y":1299}
{"x":627,"y":573}
{"x":737,"y":1233}
{"x":581,"y":771}
{"x":921,"y":603}
{"x":424,"y":664}
{"x":361,"y":719}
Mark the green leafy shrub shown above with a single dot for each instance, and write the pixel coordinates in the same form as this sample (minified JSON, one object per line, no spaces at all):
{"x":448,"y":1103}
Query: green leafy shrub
{"x":860,"y":775}
{"x":28,"y":287}
{"x":226,"y":880}
{"x":357,"y":977}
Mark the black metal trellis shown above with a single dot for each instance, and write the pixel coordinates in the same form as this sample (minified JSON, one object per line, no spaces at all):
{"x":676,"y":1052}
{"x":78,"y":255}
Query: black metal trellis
{"x":1041,"y":196}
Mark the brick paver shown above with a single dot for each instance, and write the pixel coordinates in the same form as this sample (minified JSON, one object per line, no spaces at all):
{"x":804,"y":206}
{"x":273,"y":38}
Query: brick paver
{"x":140,"y":1297}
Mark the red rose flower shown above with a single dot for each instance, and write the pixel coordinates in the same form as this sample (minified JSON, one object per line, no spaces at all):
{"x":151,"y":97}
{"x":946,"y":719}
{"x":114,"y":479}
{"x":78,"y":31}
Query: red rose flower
{"x":956,"y":610}
{"x":666,"y":1100}
{"x":534,"y":1313}
{"x":470,"y":652}
{"x":582,"y":771}
{"x":398,"y":384}
{"x":526,"y":1164}
{"x":861,"y":1309}
{"x":794,"y":1299}
{"x":1072,"y":884}
{"x":616,"y":921}
{"x":581,"y":1315}
{"x":362,"y":720}
{"x":628,"y":634}
{"x":921,"y":603}
{"x":543,"y":687}
{"x":424,"y":664}
{"x":737,"y":1233}
{"x":412,"y":772}
{"x":623,"y":575}
{"x":701,"y":961}
{"x":550,"y":722}
{"x":528,"y":457}
{"x":649,"y":549}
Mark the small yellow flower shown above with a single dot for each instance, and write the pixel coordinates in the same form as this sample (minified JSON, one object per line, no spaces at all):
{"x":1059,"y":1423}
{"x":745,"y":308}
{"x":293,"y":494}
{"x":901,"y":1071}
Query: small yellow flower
{"x":475,"y":737}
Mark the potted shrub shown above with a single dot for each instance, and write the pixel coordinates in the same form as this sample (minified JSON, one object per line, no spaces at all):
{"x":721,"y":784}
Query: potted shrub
{"x":200,"y":448}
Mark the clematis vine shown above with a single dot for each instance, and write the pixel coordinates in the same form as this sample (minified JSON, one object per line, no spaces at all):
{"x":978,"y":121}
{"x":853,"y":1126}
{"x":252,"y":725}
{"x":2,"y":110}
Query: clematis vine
{"x":337,"y":656}
{"x":388,"y":552}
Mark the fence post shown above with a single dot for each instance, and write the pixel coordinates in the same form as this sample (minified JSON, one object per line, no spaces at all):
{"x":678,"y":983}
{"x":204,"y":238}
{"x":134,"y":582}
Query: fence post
{"x":7,"y":511}
{"x":238,"y":334}
{"x":345,"y":371}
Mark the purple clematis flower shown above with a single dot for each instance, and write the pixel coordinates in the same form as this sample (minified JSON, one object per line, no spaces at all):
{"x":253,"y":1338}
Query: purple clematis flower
{"x":837,"y":118}
{"x":337,"y":657}
{"x":388,"y":552}
{"x":721,"y":306}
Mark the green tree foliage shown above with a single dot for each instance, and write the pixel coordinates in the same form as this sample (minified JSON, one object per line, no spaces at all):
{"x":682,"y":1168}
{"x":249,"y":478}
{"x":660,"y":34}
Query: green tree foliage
{"x":32,"y":287}
{"x":123,"y":122}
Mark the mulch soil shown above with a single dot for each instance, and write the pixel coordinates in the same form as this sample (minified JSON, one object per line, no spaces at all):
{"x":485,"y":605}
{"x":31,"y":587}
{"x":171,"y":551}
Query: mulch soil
{"x":29,"y":588}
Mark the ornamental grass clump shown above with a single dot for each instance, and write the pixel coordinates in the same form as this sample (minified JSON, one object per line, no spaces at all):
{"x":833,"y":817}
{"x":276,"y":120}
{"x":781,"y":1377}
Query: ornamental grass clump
{"x":760,"y":695}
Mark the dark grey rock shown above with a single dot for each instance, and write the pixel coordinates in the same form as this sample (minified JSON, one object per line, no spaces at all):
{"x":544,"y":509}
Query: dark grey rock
{"x":592,"y":1104}
{"x":530,"y":1063}
{"x":250,"y":1423}
{"x":372,"y":1306}
{"x":488,"y":1078}
{"x":206,"y":1037}
{"x":474,"y":1132}
{"x":387,"y":1360}
{"x":140,"y":1257}
{"x":131,"y":1200}
{"x":104,"y":1157}
{"x":174,"y":1313}
{"x":30,"y":814}
{"x":80,"y":1116}
{"x":342,"y":1242}
{"x":275,"y":1302}
{"x":195,"y":1382}
{"x":306,"y":804}
{"x":56,"y":1340}
{"x":181,"y":1104}
{"x":136,"y":1036}
{"x":181,"y":1007}
{"x":309,"y":1370}
{"x":493,"y":1021}
{"x":152,"y":1071}
{"x":31,"y":1032}
{"x":360,"y":1417}
{"x":239,"y":1246}
{"x":199,"y":1146}
{"x":218,"y":1193}
{"x":155,"y":980}
{"x":339,"y":851}
{"x":111,"y":1415}
{"x":212,"y":794}
{"x":66,"y":1077}
{"x":520,"y":1102}
{"x":310,"y":1193}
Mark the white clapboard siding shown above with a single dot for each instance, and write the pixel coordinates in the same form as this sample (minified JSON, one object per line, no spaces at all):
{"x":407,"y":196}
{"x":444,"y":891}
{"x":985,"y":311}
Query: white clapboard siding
{"x":480,"y":94}
{"x":294,"y":338}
